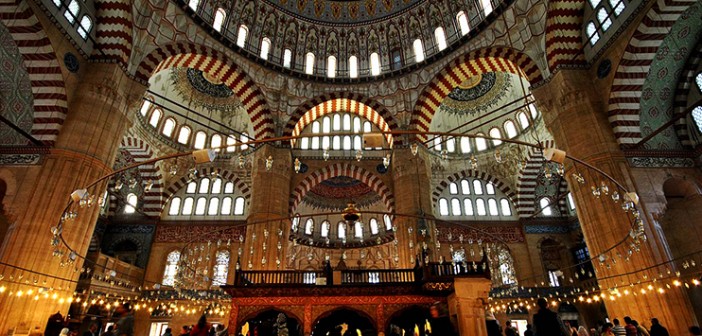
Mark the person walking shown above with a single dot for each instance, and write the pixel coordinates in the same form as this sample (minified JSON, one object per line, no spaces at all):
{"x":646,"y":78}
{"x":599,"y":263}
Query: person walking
{"x":92,"y":330}
{"x":125,"y":324}
{"x":657,"y":329}
{"x":641,"y":331}
{"x":618,"y":330}
{"x":509,"y":329}
{"x":201,"y":328}
{"x":546,"y":322}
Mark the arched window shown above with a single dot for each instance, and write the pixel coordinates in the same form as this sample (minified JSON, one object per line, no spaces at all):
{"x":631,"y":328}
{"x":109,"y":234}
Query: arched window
{"x":388,"y":222}
{"x":213,"y":208}
{"x":463,"y":23}
{"x":336,"y":142}
{"x":480,"y":207}
{"x":440,"y":36}
{"x":455,"y":207}
{"x":533,"y":110}
{"x":287,"y":58}
{"x":545,"y":206}
{"x":265,"y":47}
{"x":188,"y":206}
{"x":324,"y":230}
{"x":220,"y":15}
{"x":505,"y":207}
{"x":239,"y":206}
{"x":57,"y":3}
{"x":216,"y":186}
{"x":171,"y":269}
{"x":697,"y":117}
{"x":571,"y":202}
{"x":145,"y":106}
{"x":617,"y":6}
{"x":295,"y":223}
{"x":341,"y":231}
{"x":480,"y":142}
{"x":443,"y":207}
{"x":244,"y":139}
{"x":347,"y":142}
{"x":592,"y":33}
{"x":200,"y":206}
{"x":603,"y":18}
{"x":175,"y":206}
{"x":358,"y":230}
{"x":375,"y":64}
{"x":698,"y":80}
{"x":241,"y":36}
{"x":200,"y":139}
{"x":204,"y":186}
{"x":168,"y":127}
{"x":353,"y":67}
{"x":492,"y":207}
{"x":465,"y":145}
{"x":465,"y":187}
{"x":331,"y":66}
{"x":505,"y":262}
{"x":594,"y":3}
{"x":231,"y":144}
{"x":229,"y":188}
{"x":309,"y":226}
{"x":191,"y":188}
{"x":510,"y":129}
{"x":226,"y":206}
{"x":477,"y":187}
{"x":155,"y":117}
{"x":357,"y":143}
{"x":131,"y":205}
{"x":451,"y":144}
{"x":367,"y":128}
{"x":418,"y":50}
{"x":346,"y":122}
{"x":468,"y":206}
{"x":184,"y":135}
{"x":373,"y":226}
{"x":193,"y":4}
{"x":309,"y":63}
{"x":305,"y":143}
{"x":86,"y":25}
{"x":438,"y":143}
{"x":523,"y":120}
{"x":495,"y":133}
{"x":72,"y":10}
{"x":336,"y":122}
{"x":216,"y":142}
{"x":487,"y":6}
{"x":453,"y":188}
{"x":221,"y":268}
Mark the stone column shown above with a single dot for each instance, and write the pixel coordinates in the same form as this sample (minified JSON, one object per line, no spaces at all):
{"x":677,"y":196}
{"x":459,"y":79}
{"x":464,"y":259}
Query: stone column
{"x":412,"y":194}
{"x":99,"y":112}
{"x":270,"y":208}
{"x":468,"y":301}
{"x":576,"y":114}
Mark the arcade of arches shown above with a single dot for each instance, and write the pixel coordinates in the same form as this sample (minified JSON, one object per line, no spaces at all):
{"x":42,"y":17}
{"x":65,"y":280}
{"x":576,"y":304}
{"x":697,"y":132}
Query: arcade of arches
{"x":339,"y":167}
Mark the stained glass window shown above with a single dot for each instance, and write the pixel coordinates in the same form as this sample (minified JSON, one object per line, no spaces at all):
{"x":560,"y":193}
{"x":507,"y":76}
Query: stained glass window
{"x":221,"y":268}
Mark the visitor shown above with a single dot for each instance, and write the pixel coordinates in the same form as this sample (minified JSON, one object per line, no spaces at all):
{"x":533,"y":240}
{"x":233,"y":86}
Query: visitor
{"x":607,"y":330}
{"x":221,"y":330}
{"x":54,"y":325}
{"x":125,"y":324}
{"x":440,"y":322}
{"x":695,"y":331}
{"x":64,"y":332}
{"x":201,"y":328}
{"x":582,"y":331}
{"x":594,"y":332}
{"x":546,"y":322}
{"x":110,"y":331}
{"x":528,"y":331}
{"x":570,"y":330}
{"x":509,"y":329}
{"x":629,"y":327}
{"x":657,"y":329}
{"x":184,"y":331}
{"x":493,"y":326}
{"x":92,"y":330}
{"x":640,"y":329}
{"x":168,"y":332}
{"x":618,"y":330}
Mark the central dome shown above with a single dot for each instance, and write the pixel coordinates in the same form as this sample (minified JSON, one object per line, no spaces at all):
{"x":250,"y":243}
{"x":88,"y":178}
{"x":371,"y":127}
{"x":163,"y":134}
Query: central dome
{"x":349,"y":11}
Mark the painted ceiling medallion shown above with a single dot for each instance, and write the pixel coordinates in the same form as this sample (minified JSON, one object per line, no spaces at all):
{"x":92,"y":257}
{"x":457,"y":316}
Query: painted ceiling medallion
{"x":343,"y":11}
{"x":477,"y":94}
{"x":200,"y":90}
{"x":336,"y":192}
{"x":208,"y":84}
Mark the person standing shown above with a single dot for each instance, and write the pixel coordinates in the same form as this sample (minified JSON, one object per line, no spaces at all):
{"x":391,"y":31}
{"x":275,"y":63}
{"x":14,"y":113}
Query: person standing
{"x":630,"y":327}
{"x":657,"y":329}
{"x":509,"y":329}
{"x":583,"y":332}
{"x":618,"y":330}
{"x":640,"y":330}
{"x":168,"y":332}
{"x":440,"y":322}
{"x":607,"y":329}
{"x":528,"y":331}
{"x":546,"y":322}
{"x":125,"y":324}
{"x":201,"y":328}
{"x":493,"y":327}
{"x":92,"y":330}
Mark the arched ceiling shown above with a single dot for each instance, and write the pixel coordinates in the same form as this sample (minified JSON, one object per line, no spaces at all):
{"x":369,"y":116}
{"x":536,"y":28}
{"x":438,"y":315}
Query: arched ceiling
{"x":343,"y":11}
{"x":335,"y":193}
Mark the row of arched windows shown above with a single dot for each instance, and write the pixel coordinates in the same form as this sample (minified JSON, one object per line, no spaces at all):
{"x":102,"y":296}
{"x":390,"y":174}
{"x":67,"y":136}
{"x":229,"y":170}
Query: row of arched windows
{"x":338,"y":122}
{"x":440,"y":40}
{"x":466,"y":208}
{"x":167,"y":127}
{"x":697,"y":111}
{"x":341,"y":228}
{"x":207,"y":197}
{"x":465,"y":144}
{"x":72,"y":13}
{"x":220,"y":269}
{"x":604,"y":13}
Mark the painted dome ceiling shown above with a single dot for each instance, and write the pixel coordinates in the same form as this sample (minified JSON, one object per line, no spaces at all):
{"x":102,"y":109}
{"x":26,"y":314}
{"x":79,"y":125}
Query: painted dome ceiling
{"x":335,"y":193}
{"x":343,"y":11}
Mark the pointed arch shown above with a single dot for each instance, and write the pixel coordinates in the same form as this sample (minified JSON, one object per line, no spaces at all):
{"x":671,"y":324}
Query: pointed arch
{"x":183,"y":181}
{"x":113,"y":30}
{"x":342,"y":169}
{"x":528,"y":181}
{"x":355,"y":103}
{"x":564,"y":21}
{"x":140,"y":151}
{"x":216,"y":64}
{"x":466,"y":66}
{"x":456,"y":177}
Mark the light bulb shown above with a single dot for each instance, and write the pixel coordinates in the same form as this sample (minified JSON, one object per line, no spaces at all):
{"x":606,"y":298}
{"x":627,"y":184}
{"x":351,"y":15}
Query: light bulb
{"x":269,"y":163}
{"x":414,"y":148}
{"x":359,"y":155}
{"x":325,"y":154}
{"x":473,"y":162}
{"x":386,"y":161}
{"x":498,"y":156}
{"x":297,"y":165}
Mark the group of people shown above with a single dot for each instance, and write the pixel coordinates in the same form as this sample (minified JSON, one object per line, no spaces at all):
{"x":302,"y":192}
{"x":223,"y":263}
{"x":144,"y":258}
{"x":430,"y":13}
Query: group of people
{"x":547,"y":323}
{"x":202,"y":328}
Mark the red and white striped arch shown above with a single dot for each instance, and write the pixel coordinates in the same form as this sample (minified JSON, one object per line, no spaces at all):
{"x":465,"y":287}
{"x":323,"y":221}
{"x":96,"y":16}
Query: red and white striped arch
{"x":341,"y":102}
{"x":48,"y":89}
{"x":181,"y":55}
{"x":528,"y":182}
{"x":226,"y":175}
{"x":141,"y":152}
{"x":564,"y":38}
{"x":474,"y":174}
{"x":625,"y":96}
{"x":113,"y":30}
{"x":342,"y":169}
{"x":472,"y":64}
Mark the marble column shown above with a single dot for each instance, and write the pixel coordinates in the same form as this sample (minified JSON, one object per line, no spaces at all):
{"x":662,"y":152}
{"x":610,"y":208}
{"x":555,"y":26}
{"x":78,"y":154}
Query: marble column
{"x":468,"y":301}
